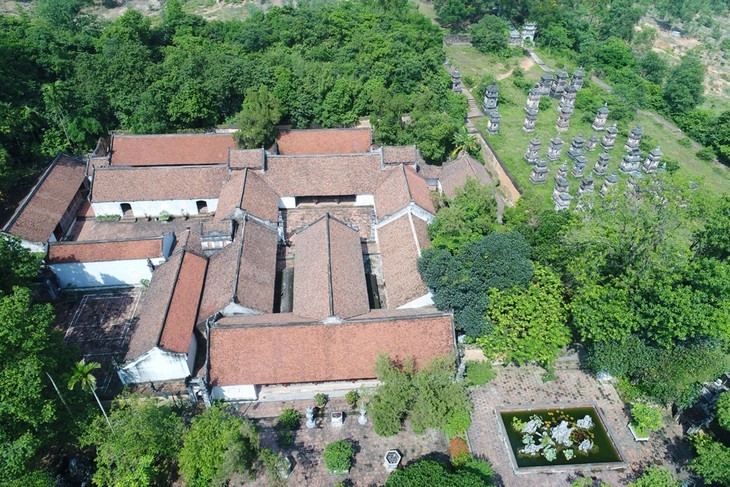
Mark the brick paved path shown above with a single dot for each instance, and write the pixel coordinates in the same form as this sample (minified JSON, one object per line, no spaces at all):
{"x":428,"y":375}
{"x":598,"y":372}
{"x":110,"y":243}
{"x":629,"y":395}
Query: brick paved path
{"x":523,"y":386}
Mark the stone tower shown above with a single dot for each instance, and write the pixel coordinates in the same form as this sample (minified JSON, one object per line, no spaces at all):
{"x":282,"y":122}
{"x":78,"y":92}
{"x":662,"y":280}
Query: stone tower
{"x":651,"y":164}
{"x":493,"y":123}
{"x":530,"y":119}
{"x":609,"y":138}
{"x":564,"y":119}
{"x":456,"y":81}
{"x":556,"y":147}
{"x":491,"y":97}
{"x":539,"y":172}
{"x":592,"y":143}
{"x":578,"y":77}
{"x":602,"y":164}
{"x":558,"y":87}
{"x":599,"y":123}
{"x":568,"y":99}
{"x":533,"y":99}
{"x":533,"y":151}
{"x":631,"y":161}
{"x":634,"y":138}
{"x":576,"y":147}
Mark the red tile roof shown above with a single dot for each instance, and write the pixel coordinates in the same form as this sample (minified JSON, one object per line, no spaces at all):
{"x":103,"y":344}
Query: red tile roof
{"x":329,"y":274}
{"x":171,"y":149}
{"x":258,"y":198}
{"x":400,"y":242}
{"x":324,"y":175}
{"x":407,"y":154}
{"x":315,"y":352}
{"x":182,"y":315}
{"x":323,"y":141}
{"x":240,"y":158}
{"x":86,"y":251}
{"x":167,"y":314}
{"x":122,"y":184}
{"x":38,"y":214}
{"x":401,"y":187}
{"x":455,"y":173}
{"x":244,"y":272}
{"x":229,"y":198}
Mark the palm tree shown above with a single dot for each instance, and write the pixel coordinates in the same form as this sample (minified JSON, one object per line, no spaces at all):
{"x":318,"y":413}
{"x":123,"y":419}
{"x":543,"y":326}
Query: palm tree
{"x":82,"y":374}
{"x":463,"y":141}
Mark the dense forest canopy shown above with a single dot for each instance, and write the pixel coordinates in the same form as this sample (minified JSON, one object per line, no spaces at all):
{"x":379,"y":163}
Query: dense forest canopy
{"x":69,"y":77}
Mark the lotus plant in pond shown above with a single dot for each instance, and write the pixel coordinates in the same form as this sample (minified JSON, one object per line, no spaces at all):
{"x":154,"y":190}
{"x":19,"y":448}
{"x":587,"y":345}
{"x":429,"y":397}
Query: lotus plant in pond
{"x":555,"y":433}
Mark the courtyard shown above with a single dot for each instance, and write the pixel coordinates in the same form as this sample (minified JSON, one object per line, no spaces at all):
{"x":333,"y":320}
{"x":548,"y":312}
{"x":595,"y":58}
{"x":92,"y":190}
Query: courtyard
{"x":523,"y":387}
{"x":306,"y":453}
{"x":100,"y":324}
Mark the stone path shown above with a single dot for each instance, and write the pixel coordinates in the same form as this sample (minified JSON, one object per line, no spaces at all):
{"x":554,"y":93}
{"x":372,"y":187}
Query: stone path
{"x":523,"y":386}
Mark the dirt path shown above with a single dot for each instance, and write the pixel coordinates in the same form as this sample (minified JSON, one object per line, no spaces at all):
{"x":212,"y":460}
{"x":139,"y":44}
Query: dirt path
{"x":670,"y":126}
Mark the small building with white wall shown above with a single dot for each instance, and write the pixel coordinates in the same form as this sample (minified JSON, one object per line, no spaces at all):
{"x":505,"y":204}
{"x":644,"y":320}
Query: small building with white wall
{"x":108,"y":263}
{"x":163,"y":343}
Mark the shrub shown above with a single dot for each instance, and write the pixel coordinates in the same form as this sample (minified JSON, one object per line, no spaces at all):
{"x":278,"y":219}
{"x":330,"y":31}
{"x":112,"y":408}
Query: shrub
{"x":338,"y":456}
{"x":459,"y":451}
{"x":272,"y":463}
{"x":320,"y":399}
{"x":457,"y":423}
{"x":722,"y":410}
{"x":655,"y":477}
{"x":351,"y":398}
{"x":108,"y":218}
{"x":646,"y":418}
{"x":432,"y":472}
{"x":164,"y":216}
{"x":217,"y":445}
{"x":286,"y":423}
{"x":712,"y":461}
{"x":706,"y":154}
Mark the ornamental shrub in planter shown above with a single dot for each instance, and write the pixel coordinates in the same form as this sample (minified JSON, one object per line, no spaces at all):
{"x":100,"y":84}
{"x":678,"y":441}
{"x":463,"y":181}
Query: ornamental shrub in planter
{"x":320,"y":399}
{"x":338,"y":456}
{"x":351,"y":398}
{"x":646,"y":419}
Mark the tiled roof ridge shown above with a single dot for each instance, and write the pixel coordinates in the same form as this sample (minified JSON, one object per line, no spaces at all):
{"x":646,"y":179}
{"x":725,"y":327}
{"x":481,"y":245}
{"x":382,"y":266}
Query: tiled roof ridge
{"x":168,"y":166}
{"x":243,"y":188}
{"x":109,"y":240}
{"x":313,"y":156}
{"x":329,"y":265}
{"x":198,"y":134}
{"x":405,"y":180}
{"x":323,"y":129}
{"x":349,"y":321}
{"x":36,"y":187}
{"x":415,"y":234}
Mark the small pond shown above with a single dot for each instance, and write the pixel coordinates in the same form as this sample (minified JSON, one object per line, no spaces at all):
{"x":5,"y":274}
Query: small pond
{"x":567,"y":436}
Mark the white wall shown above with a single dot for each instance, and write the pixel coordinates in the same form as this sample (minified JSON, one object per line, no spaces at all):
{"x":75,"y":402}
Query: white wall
{"x":110,"y":273}
{"x":364,"y":200}
{"x":156,"y":365}
{"x":35,"y":246}
{"x":154,"y":208}
{"x":287,"y":202}
{"x":234,"y":393}
{"x":425,"y":300}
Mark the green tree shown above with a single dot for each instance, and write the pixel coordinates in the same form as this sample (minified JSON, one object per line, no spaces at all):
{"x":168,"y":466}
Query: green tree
{"x":713,"y":240}
{"x":722,"y":410}
{"x":83,"y":376}
{"x":490,"y":35}
{"x":470,"y":215}
{"x":217,"y":445}
{"x":19,"y":265}
{"x":389,"y":404}
{"x":713,"y":460}
{"x":432,"y":472}
{"x":645,"y":418}
{"x":29,"y":416}
{"x":439,"y":402}
{"x":555,"y":36}
{"x":653,"y":67}
{"x":258,"y":118}
{"x":465,"y":142}
{"x":684,"y":88}
{"x":143,"y":450}
{"x":655,"y":477}
{"x":460,"y":282}
{"x":528,"y":324}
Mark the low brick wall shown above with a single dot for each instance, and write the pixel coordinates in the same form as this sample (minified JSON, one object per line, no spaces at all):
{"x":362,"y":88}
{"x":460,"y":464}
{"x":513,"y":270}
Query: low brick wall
{"x":507,"y":184}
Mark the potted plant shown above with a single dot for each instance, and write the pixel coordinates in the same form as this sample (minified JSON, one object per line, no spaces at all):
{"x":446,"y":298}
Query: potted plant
{"x":338,"y":456}
{"x":286,"y":424}
{"x":320,"y":399}
{"x":351,"y":398}
{"x":164,"y":216}
{"x":645,"y":419}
